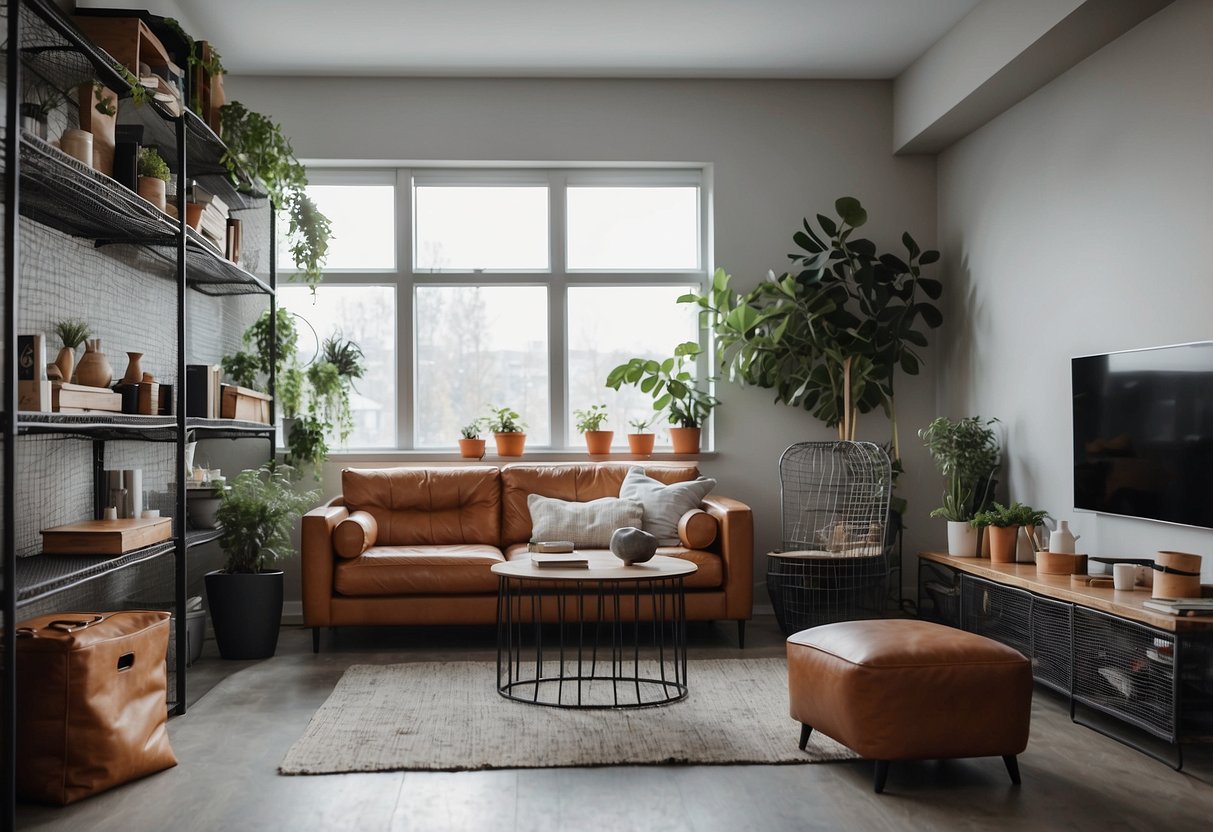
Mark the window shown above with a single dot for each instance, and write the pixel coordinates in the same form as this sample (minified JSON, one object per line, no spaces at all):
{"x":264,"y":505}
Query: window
{"x":514,"y":288}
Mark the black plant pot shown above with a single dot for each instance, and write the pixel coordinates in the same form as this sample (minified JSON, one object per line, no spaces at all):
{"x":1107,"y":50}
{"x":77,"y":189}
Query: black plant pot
{"x":246,"y":610}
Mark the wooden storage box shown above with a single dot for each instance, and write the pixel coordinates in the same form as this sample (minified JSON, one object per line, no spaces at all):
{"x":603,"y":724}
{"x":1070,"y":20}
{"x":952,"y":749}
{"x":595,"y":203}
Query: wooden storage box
{"x":106,"y":537}
{"x":245,"y":404}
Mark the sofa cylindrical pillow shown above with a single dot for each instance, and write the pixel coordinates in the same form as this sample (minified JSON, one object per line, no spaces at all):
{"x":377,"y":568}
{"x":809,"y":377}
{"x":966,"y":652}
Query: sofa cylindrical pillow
{"x":697,"y":529}
{"x":355,"y":534}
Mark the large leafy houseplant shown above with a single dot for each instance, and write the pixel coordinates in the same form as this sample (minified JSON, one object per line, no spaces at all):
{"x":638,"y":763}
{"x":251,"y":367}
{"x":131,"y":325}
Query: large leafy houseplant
{"x":257,"y":514}
{"x":671,"y":384}
{"x":256,"y":145}
{"x":967,"y":453}
{"x":831,"y":335}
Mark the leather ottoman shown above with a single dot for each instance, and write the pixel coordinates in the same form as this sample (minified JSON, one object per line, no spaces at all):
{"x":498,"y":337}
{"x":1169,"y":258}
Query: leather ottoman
{"x":910,"y":690}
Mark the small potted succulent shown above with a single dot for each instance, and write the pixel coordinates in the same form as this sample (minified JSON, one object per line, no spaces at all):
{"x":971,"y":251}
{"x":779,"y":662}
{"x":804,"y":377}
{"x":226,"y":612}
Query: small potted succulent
{"x":153,"y":176}
{"x":471,"y":445}
{"x":589,"y":422}
{"x":72,"y":332}
{"x":508,"y":431}
{"x":1004,"y":523}
{"x":640,"y":440}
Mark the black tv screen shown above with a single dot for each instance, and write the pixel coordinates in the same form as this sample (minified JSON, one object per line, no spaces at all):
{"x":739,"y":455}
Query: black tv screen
{"x":1143,"y":433}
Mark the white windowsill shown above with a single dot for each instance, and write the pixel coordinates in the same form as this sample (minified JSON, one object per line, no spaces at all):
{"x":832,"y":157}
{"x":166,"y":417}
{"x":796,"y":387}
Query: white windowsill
{"x":539,"y":455}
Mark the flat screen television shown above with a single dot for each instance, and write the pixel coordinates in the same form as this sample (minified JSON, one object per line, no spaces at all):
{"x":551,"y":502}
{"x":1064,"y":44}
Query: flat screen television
{"x":1143,"y":433}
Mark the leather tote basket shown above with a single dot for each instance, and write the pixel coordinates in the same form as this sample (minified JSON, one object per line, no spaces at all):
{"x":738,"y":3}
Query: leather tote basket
{"x":91,"y":702}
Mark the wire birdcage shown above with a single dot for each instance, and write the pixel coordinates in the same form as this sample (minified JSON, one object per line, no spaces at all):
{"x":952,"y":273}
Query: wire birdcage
{"x":833,"y":564}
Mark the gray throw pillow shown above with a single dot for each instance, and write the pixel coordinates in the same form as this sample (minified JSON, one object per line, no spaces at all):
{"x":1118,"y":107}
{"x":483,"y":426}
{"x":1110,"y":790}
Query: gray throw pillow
{"x":664,"y":504}
{"x":589,"y":525}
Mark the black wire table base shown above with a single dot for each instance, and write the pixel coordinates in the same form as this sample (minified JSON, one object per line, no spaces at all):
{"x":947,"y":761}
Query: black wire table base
{"x":592,"y":643}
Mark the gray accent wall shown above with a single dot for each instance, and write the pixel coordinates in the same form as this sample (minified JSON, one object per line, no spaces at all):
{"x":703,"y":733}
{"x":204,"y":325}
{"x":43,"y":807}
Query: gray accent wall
{"x":1081,"y":221}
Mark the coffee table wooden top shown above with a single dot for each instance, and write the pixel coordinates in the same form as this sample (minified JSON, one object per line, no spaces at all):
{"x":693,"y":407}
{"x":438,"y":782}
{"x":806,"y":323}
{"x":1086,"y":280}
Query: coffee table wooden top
{"x":603,"y":567}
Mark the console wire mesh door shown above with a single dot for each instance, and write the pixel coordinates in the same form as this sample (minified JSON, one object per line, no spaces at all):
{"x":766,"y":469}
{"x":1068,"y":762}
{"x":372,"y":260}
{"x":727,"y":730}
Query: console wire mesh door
{"x":833,"y":564}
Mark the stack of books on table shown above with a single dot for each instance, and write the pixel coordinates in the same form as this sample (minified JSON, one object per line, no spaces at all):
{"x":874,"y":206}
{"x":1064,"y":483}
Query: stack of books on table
{"x":557,"y":554}
{"x":77,"y":398}
{"x":213,"y":225}
{"x":1180,"y":606}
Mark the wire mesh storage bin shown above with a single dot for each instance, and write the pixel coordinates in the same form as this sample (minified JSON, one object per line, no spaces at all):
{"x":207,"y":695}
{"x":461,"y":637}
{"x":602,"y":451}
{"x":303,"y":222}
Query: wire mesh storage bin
{"x":833,"y":563}
{"x":1052,"y":643}
{"x":998,"y":612}
{"x":938,"y":594}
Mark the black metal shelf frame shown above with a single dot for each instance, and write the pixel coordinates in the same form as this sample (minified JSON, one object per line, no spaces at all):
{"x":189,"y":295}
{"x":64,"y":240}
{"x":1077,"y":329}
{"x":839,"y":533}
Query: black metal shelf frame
{"x":39,"y":182}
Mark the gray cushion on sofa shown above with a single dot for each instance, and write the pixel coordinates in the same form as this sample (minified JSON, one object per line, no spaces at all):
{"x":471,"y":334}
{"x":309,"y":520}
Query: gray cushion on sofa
{"x":664,"y":504}
{"x":589,"y":525}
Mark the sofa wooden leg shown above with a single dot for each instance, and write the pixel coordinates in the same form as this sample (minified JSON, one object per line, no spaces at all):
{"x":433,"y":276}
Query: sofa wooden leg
{"x":315,"y":639}
{"x":882,"y":774}
{"x":805,"y":730}
{"x":740,"y":635}
{"x":1012,"y":767}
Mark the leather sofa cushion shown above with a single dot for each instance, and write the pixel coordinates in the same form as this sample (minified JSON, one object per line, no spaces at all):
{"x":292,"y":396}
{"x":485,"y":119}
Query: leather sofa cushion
{"x":710,"y":573}
{"x":355,"y":534}
{"x":575,"y":483}
{"x":428,"y":506}
{"x":697,"y":529}
{"x":418,"y":570}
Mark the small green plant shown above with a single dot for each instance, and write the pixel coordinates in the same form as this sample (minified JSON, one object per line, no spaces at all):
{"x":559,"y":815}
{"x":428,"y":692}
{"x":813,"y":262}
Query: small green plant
{"x":640,"y":425}
{"x":306,"y":446}
{"x":672,"y":386}
{"x":285,"y":339}
{"x":104,"y":101}
{"x":72,"y":332}
{"x":150,"y":164}
{"x":139,"y":93}
{"x":257,"y":515}
{"x":472,"y":429}
{"x":241,"y":368}
{"x":504,"y":420}
{"x":967,"y":453}
{"x":345,"y":355}
{"x":590,"y":419}
{"x":1002,"y":516}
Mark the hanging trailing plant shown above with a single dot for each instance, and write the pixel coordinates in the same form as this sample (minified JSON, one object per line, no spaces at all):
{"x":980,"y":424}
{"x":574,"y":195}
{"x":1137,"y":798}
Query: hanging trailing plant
{"x":256,"y":144}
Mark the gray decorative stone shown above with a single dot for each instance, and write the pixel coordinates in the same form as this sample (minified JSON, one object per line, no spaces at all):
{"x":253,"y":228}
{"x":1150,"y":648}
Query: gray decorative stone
{"x":632,"y":545}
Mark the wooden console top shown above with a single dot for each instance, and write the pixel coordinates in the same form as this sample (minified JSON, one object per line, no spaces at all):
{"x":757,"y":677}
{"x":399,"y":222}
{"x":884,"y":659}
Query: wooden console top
{"x":1123,"y":604}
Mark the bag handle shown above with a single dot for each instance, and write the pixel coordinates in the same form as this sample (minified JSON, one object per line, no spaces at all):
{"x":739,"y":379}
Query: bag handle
{"x":71,"y":625}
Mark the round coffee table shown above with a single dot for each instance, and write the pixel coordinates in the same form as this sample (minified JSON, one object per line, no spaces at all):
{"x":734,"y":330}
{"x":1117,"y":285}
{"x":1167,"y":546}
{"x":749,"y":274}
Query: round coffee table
{"x":610,"y":636}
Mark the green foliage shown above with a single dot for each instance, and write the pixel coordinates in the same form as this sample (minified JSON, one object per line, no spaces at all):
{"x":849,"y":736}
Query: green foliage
{"x":504,"y":420}
{"x":256,"y":144}
{"x":329,"y":401}
{"x":306,"y":446}
{"x":72,"y":332}
{"x":345,"y":355}
{"x":290,"y":391}
{"x":967,"y":454}
{"x":257,"y":514}
{"x":472,"y":429}
{"x":139,"y":93}
{"x":106,"y":104}
{"x":1002,"y":516}
{"x":590,"y":419}
{"x":284,"y":338}
{"x":672,"y":386}
{"x":640,"y":425}
{"x":150,"y":164}
{"x":831,"y":336}
{"x":241,"y":369}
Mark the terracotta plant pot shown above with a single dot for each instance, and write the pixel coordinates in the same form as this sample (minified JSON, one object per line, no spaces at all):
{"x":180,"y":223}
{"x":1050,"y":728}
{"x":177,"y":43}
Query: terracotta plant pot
{"x":962,"y":539}
{"x":152,"y":189}
{"x":510,"y":444}
{"x":641,"y":444}
{"x":471,"y":448}
{"x":193,"y":215}
{"x":1002,"y":543}
{"x":599,"y":441}
{"x":685,"y":440}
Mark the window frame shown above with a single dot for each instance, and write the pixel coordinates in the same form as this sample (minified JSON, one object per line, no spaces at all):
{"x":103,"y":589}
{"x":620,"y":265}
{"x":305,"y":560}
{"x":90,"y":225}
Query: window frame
{"x":557,"y":279}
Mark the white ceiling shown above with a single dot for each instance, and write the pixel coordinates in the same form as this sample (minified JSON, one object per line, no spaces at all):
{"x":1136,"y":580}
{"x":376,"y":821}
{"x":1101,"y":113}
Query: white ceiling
{"x":568,"y":38}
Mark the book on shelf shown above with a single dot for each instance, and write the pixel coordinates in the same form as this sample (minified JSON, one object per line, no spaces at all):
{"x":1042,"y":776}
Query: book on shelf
{"x":559,"y":560}
{"x":202,"y":390}
{"x":235,"y":232}
{"x":551,"y":546}
{"x":76,"y":398}
{"x":33,"y":387}
{"x":202,"y":196}
{"x":1180,"y":606}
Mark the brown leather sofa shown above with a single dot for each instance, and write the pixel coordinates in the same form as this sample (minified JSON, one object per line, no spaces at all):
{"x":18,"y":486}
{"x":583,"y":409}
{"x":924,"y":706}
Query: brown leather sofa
{"x":438,"y":531}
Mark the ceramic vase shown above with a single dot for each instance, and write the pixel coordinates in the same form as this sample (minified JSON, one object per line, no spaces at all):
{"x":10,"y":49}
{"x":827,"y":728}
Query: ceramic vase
{"x":1062,"y":539}
{"x":94,"y":369}
{"x":66,"y":362}
{"x":134,"y":372}
{"x":962,"y":539}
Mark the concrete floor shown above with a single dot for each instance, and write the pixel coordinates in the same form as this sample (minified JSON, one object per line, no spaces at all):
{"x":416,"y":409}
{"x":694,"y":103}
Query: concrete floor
{"x":246,"y":714}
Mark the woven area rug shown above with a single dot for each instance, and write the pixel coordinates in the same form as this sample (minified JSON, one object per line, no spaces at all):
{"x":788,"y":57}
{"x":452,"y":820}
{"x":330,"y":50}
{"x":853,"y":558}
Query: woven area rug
{"x":447,"y":716}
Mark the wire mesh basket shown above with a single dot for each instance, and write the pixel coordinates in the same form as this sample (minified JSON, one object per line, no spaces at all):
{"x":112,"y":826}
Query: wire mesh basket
{"x":833,"y":564}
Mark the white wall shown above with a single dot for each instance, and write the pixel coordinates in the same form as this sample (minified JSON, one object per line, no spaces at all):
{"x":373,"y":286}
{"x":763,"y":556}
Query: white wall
{"x":781,"y":150}
{"x":1078,"y":222}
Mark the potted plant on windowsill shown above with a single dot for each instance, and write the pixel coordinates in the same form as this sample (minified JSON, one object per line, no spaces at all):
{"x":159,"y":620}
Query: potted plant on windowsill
{"x":245,"y":597}
{"x":589,"y":422}
{"x":471,"y":445}
{"x":508,"y":431}
{"x":967,"y":453}
{"x":1003,"y":524}
{"x":641,"y":439}
{"x":674,"y":390}
{"x":153,"y":176}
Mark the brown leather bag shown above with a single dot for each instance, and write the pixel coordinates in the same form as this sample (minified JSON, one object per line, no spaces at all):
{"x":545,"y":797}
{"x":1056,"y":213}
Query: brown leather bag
{"x":91,"y":702}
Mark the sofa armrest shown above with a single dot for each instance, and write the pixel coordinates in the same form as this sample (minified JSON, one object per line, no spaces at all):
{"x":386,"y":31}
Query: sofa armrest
{"x":735,"y":545}
{"x":319,"y":559}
